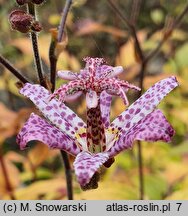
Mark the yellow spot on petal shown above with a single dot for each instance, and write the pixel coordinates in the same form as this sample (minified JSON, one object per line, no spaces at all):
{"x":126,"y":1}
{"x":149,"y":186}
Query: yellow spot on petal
{"x":112,"y":135}
{"x":113,"y":132}
{"x":81,"y":140}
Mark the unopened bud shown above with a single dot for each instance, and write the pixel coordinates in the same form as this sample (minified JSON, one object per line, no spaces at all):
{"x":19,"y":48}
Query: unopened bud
{"x":20,"y":21}
{"x":21,"y":2}
{"x":23,"y":22}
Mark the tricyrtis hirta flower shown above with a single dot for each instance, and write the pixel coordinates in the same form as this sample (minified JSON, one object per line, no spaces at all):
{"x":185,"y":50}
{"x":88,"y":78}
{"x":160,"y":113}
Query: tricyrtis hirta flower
{"x":96,"y":142}
{"x":92,"y":80}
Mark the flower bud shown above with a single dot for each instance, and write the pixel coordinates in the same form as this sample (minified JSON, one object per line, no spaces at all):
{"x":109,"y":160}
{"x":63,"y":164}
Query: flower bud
{"x":23,"y":22}
{"x":20,"y":21}
{"x":37,"y":1}
{"x":21,"y":2}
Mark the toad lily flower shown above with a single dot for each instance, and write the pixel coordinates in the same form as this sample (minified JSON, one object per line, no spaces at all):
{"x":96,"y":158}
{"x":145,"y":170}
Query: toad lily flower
{"x":92,"y":80}
{"x":96,"y":142}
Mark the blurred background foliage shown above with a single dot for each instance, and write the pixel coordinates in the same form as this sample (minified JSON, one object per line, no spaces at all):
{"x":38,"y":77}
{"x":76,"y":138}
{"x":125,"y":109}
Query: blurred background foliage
{"x":94,"y":29}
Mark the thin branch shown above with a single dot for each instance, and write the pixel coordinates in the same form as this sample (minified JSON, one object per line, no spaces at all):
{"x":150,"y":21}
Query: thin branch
{"x":180,"y":17}
{"x":34,"y":39}
{"x":52,"y":56}
{"x":139,"y":144}
{"x":53,"y":62}
{"x":140,"y":170}
{"x":135,"y":10}
{"x":68,"y":172}
{"x":12,"y":69}
{"x":63,"y":20}
{"x":6,"y":177}
{"x":167,"y":34}
{"x":131,"y":28}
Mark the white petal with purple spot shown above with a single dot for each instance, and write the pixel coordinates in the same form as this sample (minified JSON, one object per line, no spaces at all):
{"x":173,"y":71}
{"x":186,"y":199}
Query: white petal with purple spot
{"x":153,"y":127}
{"x":86,"y":165}
{"x":145,"y":104}
{"x":58,"y":114}
{"x":67,"y":75}
{"x":37,"y":128}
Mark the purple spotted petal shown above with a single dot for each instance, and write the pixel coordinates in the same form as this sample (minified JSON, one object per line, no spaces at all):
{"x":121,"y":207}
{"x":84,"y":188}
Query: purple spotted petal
{"x":67,"y":75}
{"x":73,"y":97}
{"x":108,"y":71}
{"x":37,"y":128}
{"x":116,"y":71}
{"x":105,"y":105}
{"x":153,"y":127}
{"x":59,"y":114}
{"x":145,"y":104}
{"x":86,"y":165}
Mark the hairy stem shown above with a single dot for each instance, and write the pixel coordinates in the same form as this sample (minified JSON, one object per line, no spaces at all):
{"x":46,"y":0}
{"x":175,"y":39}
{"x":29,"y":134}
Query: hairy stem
{"x":34,"y":39}
{"x":12,"y":69}
{"x":6,"y":177}
{"x":68,"y":173}
{"x":53,"y":62}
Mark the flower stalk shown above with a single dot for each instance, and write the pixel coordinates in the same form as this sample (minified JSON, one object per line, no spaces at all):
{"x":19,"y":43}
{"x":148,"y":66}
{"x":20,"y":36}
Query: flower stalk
{"x":68,"y":174}
{"x":34,"y":38}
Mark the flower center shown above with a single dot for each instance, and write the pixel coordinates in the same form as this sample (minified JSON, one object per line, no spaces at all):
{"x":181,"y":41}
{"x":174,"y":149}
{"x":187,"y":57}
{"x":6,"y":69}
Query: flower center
{"x":95,"y":132}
